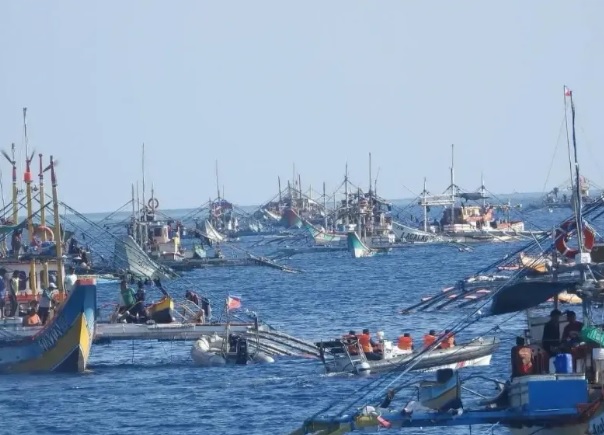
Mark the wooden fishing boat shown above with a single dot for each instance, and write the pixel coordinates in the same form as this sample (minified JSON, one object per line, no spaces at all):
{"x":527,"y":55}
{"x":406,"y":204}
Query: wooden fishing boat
{"x":357,"y":248}
{"x":161,"y":312}
{"x":322,"y":237}
{"x":63,"y":345}
{"x":442,"y":394}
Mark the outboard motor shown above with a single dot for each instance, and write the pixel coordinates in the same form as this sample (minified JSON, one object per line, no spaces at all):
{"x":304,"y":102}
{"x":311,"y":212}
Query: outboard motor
{"x":242,"y":352}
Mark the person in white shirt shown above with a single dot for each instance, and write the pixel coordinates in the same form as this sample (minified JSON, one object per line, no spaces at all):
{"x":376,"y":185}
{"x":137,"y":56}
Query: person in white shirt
{"x":46,"y":302}
{"x":70,"y":280}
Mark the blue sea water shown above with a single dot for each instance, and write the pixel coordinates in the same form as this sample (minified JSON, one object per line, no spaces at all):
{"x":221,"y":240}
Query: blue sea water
{"x":153,"y":387}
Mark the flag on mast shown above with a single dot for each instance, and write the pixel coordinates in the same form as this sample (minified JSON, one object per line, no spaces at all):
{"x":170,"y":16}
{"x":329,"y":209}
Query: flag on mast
{"x":233,"y":302}
{"x":567,"y":92}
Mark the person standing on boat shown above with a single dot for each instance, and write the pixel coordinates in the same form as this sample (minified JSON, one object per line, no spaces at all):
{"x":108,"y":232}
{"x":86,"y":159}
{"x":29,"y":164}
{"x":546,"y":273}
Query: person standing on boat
{"x":46,"y":302}
{"x":367,"y":345}
{"x":139,"y":305}
{"x":70,"y":280}
{"x":192,"y":297}
{"x":16,"y":243}
{"x":551,"y":333}
{"x":127,"y":297}
{"x":572,"y":331}
{"x":2,"y":292}
{"x":12,"y":294}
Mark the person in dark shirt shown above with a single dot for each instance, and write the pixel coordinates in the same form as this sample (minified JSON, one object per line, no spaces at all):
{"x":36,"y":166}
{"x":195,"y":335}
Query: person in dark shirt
{"x":551,"y":333}
{"x":572,"y":331}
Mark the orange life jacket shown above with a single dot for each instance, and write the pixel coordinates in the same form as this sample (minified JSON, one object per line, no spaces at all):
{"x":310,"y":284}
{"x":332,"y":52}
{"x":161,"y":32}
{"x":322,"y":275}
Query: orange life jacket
{"x":365,"y":342}
{"x":428,"y":340}
{"x":405,"y":343}
{"x":448,"y":341}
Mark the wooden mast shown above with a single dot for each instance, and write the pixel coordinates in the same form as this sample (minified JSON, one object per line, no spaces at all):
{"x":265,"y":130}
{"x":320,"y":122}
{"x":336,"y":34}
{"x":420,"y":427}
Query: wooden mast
{"x":27,"y":178}
{"x":43,"y":221}
{"x":57,"y":228}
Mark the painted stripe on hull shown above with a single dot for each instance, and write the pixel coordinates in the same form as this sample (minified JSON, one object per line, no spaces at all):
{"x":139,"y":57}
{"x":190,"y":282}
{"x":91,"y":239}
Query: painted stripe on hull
{"x":64,"y":344}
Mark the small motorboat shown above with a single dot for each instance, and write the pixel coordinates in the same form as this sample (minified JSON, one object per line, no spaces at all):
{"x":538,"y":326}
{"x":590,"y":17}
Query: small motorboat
{"x":339,"y":356}
{"x":214,"y":350}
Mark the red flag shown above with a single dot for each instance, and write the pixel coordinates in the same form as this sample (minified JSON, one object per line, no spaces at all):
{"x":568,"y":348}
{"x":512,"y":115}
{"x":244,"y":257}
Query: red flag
{"x":233,"y":302}
{"x":567,"y":92}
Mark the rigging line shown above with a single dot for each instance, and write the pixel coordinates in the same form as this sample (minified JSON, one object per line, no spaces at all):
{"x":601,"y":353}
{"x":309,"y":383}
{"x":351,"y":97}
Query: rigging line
{"x":456,"y":327}
{"x":570,"y":162}
{"x":560,"y":131}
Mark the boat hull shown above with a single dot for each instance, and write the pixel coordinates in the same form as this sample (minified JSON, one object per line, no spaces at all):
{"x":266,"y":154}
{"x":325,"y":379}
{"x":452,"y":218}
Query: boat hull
{"x":291,"y":219}
{"x":64,"y":344}
{"x":473,"y":354}
{"x":357,"y":248}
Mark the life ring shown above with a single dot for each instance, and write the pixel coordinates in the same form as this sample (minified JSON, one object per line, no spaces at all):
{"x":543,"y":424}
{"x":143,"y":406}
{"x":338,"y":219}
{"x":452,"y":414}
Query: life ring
{"x":561,"y":237}
{"x":50,"y":235}
{"x":153,"y":203}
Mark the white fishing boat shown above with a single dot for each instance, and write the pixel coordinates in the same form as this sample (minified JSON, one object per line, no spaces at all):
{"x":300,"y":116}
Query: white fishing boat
{"x":340,"y":356}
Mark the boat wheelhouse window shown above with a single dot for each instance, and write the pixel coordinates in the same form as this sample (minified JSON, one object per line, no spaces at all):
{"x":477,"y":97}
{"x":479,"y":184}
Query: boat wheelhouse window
{"x":157,"y":232}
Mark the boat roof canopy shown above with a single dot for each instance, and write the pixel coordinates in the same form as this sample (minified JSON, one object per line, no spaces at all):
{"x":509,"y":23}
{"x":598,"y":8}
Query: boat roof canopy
{"x":525,"y":295}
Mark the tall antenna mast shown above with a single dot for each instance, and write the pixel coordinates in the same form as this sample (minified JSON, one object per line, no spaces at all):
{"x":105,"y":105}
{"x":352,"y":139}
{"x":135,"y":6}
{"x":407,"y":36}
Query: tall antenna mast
{"x":453,"y":172}
{"x":217,"y":183}
{"x":143,"y":169}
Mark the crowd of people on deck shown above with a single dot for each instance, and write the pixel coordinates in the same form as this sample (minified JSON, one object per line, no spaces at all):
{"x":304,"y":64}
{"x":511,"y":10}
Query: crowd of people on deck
{"x":528,"y":360}
{"x":374,"y":349}
{"x":132,"y":308}
{"x":38,"y":310}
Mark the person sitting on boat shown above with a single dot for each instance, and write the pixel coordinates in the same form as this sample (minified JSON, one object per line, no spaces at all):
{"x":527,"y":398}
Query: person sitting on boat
{"x":448,"y":340}
{"x":127,"y":297}
{"x":351,"y":342}
{"x":551,"y":333}
{"x":192,"y":297}
{"x":46,"y":302}
{"x":405,"y":342}
{"x":367,"y":345}
{"x":522,"y":358}
{"x":70,"y":280}
{"x":32,"y":318}
{"x":378,"y":347}
{"x":12,"y":294}
{"x":572,"y":331}
{"x":430,"y":338}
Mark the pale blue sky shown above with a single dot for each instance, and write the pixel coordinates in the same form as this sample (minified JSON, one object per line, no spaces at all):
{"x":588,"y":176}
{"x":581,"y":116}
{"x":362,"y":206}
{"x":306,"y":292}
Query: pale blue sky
{"x":259,"y":85}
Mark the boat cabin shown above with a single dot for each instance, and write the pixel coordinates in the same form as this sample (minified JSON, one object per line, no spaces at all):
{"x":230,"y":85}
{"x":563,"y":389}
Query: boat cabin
{"x":162,"y":242}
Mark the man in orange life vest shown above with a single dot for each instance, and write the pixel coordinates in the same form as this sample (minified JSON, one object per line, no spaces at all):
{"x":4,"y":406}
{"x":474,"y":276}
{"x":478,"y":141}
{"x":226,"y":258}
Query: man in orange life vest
{"x":448,"y":340}
{"x":405,"y":342}
{"x":367,"y":345}
{"x":429,"y":338}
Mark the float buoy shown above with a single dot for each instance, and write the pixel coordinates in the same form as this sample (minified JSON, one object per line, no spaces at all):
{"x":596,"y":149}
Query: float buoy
{"x":153,"y":203}
{"x":562,"y":233}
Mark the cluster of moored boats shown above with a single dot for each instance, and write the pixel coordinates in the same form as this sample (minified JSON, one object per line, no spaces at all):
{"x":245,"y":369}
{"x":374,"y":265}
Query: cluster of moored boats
{"x":556,"y":384}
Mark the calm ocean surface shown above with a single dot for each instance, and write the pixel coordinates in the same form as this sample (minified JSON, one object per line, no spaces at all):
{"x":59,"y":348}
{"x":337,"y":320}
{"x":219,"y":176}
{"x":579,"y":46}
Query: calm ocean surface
{"x":153,"y":387}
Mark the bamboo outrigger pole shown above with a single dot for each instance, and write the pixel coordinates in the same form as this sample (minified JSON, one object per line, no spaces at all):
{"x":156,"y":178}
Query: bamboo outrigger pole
{"x":57,"y":228}
{"x":43,"y":221}
{"x":27,"y":178}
